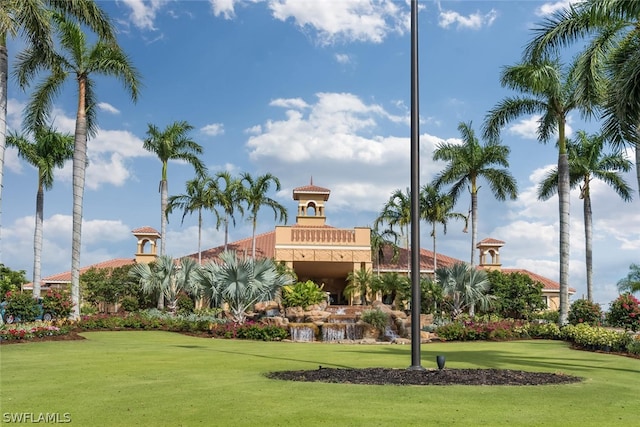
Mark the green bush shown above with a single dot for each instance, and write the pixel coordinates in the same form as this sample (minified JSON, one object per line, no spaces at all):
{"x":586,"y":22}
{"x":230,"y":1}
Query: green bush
{"x":625,"y":312}
{"x":58,"y":303}
{"x":596,"y":337}
{"x":470,"y":330}
{"x":544,"y":330}
{"x":552,"y":316}
{"x":249,"y":330}
{"x":302,"y":294}
{"x":376,"y":318}
{"x":22,"y":305}
{"x":130,"y":303}
{"x":184,"y":304}
{"x":633,"y":346}
{"x":585,"y":311}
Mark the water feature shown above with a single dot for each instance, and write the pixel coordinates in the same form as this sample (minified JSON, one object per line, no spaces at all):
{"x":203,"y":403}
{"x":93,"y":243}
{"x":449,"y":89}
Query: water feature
{"x":341,"y":331}
{"x":302,"y":332}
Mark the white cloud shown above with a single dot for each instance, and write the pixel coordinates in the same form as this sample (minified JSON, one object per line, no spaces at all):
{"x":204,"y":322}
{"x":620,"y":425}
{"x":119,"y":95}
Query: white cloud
{"x":224,"y":8}
{"x":213,"y":129}
{"x":143,"y":13}
{"x":335,"y":140}
{"x":342,"y":58}
{"x":253,"y":130}
{"x":474,"y":21}
{"x":357,"y":20}
{"x":550,"y":8}
{"x":104,"y":106}
{"x":297,"y":103}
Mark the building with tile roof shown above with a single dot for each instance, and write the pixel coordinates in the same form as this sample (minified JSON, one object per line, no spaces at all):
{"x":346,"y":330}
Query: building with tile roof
{"x":322,"y":253}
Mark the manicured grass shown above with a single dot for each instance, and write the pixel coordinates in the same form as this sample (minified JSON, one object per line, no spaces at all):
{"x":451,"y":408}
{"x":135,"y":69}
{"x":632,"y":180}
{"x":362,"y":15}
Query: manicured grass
{"x":166,"y":379}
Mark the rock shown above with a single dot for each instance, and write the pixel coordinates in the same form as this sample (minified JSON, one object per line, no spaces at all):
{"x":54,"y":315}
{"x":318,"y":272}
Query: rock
{"x":401,"y":341}
{"x":264,"y":306}
{"x":397,"y":314}
{"x":316,"y":316}
{"x":294,"y":314}
{"x":275,"y":321}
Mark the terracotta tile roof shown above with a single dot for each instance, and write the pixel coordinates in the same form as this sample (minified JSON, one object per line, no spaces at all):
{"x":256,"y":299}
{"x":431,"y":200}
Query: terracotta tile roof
{"x":66,"y":276}
{"x":401,"y":264}
{"x":146,"y":230}
{"x":490,"y":241}
{"x":313,"y":189}
{"x":265,"y":247}
{"x":549,"y":285}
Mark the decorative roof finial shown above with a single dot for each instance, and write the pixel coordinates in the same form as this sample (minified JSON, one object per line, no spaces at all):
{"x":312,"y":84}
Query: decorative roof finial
{"x":311,"y":180}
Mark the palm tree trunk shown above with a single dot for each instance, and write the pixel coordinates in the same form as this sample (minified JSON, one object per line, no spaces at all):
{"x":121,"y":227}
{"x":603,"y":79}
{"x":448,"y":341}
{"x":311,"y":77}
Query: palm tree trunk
{"x":474,"y":220}
{"x":4,"y":70}
{"x":435,"y":256}
{"x":79,"y":169}
{"x":588,"y":241}
{"x":163,"y":218}
{"x":253,"y":239}
{"x":226,"y":231}
{"x":199,"y":236}
{"x":637,"y":163}
{"x":564,"y":206}
{"x":37,"y":241}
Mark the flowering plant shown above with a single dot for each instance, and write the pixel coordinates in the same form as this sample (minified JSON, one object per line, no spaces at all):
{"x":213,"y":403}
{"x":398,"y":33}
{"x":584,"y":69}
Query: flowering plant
{"x":625,"y":312}
{"x":57,"y":302}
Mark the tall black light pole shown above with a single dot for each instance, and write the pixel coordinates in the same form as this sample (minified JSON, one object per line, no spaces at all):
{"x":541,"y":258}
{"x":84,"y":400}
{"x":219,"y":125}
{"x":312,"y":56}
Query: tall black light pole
{"x":415,"y":195}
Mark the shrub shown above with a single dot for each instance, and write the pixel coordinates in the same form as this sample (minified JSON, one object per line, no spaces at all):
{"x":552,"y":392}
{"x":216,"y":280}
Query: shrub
{"x":22,"y":305}
{"x":184,"y":304}
{"x":625,"y":312}
{"x":58,"y":303}
{"x":544,"y":330}
{"x":376,"y":318}
{"x":633,"y":346}
{"x":552,"y":316}
{"x":585,"y":311}
{"x":469,"y":330}
{"x":302,"y":294}
{"x":130,"y":303}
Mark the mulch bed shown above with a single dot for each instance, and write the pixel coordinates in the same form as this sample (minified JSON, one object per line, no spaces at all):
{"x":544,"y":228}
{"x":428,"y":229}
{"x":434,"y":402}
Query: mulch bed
{"x":71,"y":336}
{"x":381,"y":376}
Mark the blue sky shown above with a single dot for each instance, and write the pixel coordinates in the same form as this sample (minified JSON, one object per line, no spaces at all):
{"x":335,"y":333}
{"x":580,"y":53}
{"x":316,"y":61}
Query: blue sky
{"x":306,"y":89}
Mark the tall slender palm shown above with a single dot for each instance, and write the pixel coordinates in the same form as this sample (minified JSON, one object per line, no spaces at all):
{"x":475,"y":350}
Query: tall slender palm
{"x":172,"y":143}
{"x":612,"y":30}
{"x":469,"y":161}
{"x":436,"y":208}
{"x":31,"y":18}
{"x":196,"y":198}
{"x":255,"y":195}
{"x":80,"y":62}
{"x":359,"y":284}
{"x":49,"y":151}
{"x":587,"y":161}
{"x":397,"y":212}
{"x":550,"y":91}
{"x":228,"y":198}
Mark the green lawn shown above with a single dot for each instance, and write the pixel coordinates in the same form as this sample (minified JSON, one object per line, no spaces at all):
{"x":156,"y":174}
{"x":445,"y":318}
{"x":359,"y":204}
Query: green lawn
{"x":167,"y":379}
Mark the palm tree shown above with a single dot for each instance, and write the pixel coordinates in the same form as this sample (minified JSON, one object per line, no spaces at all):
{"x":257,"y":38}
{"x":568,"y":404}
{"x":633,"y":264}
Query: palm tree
{"x":166,"y":278}
{"x":469,"y":161}
{"x":550,"y":92}
{"x":379,"y":241}
{"x":397,"y":212}
{"x":228,"y":198}
{"x":436,"y":208}
{"x":49,"y":150}
{"x":631,"y":283}
{"x":254,"y":194}
{"x":587,"y":162}
{"x":359,"y":283}
{"x":82,"y":62}
{"x":240,"y":283}
{"x":172,"y":143}
{"x":464,"y":287}
{"x":196,"y":198}
{"x":32,"y":19}
{"x":612,"y":29}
